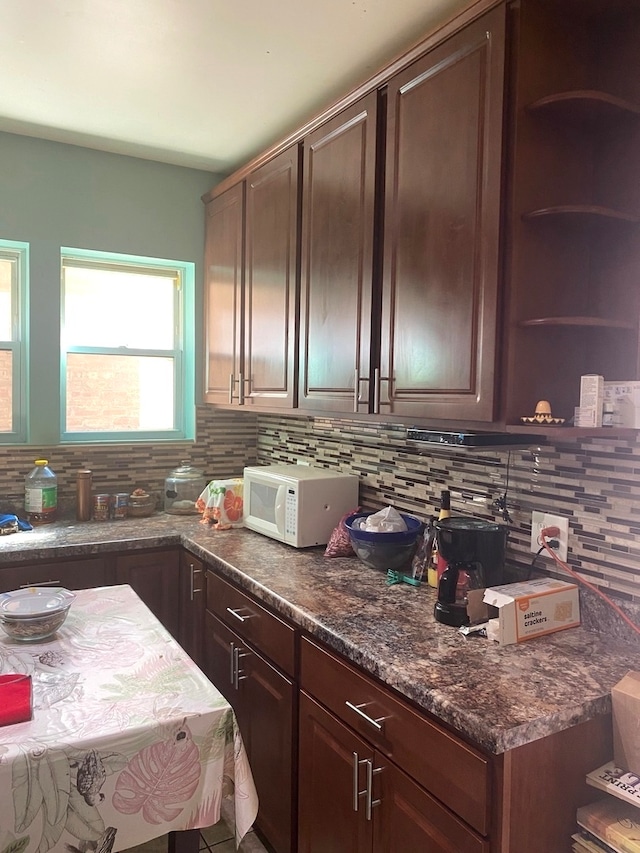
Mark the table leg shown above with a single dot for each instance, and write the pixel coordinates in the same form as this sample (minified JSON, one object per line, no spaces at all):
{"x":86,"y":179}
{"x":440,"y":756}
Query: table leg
{"x":185,"y":841}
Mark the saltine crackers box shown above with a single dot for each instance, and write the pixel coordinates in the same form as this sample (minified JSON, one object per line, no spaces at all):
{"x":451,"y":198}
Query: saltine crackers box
{"x":625,"y":703}
{"x":532,"y":609}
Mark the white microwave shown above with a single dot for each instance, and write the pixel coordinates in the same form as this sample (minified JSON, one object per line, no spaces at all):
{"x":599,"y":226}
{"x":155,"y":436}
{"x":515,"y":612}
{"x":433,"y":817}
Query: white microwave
{"x":297,"y":504}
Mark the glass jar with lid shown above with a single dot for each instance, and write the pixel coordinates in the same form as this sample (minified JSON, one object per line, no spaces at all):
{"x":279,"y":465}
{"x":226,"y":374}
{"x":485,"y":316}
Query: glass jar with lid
{"x":182,"y":488}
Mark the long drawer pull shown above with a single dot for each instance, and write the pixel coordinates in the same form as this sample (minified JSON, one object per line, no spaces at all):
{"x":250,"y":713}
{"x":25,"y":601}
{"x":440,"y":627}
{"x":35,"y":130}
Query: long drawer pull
{"x":239,"y":676}
{"x":194,"y":572}
{"x":356,"y":777}
{"x":40,"y":583}
{"x":232,"y":658}
{"x":370,"y":802}
{"x":377,"y":724}
{"x":239,"y":615}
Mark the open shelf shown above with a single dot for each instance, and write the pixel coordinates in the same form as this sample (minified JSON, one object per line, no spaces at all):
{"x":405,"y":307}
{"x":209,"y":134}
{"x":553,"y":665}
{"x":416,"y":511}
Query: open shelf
{"x":585,"y":105}
{"x":580,"y":322}
{"x":588,"y":213}
{"x":560,"y":433}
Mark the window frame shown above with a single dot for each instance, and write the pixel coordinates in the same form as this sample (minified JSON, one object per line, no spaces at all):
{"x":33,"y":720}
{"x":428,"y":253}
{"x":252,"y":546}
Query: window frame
{"x":183,"y":351}
{"x":18,"y":252}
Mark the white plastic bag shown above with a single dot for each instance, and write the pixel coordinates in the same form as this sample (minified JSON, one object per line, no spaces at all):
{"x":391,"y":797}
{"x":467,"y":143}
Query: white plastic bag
{"x":387,"y":520}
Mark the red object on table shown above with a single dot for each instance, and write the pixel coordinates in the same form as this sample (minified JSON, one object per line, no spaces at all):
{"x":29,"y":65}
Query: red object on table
{"x":15,"y":699}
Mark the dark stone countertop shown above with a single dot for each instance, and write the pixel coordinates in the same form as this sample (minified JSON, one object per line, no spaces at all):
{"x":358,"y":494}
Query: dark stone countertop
{"x":496,"y":697}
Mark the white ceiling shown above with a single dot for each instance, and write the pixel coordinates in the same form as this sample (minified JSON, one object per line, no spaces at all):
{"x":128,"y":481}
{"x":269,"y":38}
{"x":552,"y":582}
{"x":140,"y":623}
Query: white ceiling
{"x":200,"y":83}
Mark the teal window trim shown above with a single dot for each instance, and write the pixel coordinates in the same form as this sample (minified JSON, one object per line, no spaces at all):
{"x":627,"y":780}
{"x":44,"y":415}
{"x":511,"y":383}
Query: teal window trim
{"x":18,"y":253}
{"x":183,"y":352}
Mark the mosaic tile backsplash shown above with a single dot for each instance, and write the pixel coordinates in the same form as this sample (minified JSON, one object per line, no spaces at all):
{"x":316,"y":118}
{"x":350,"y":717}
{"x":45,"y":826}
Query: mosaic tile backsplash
{"x":594,"y":483}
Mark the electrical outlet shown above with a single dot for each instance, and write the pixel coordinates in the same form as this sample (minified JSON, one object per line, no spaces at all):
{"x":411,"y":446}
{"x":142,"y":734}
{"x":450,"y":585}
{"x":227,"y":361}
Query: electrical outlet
{"x":540,"y":520}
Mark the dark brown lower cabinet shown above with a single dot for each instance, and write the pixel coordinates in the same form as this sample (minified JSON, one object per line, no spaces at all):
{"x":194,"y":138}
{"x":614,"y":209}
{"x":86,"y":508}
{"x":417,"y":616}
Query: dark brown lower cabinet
{"x":71,"y":574}
{"x":353,"y":799}
{"x":192,"y":573}
{"x":264,"y":702}
{"x":155,"y":577}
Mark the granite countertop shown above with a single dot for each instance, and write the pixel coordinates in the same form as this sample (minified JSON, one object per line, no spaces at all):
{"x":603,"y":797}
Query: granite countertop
{"x":496,"y":697}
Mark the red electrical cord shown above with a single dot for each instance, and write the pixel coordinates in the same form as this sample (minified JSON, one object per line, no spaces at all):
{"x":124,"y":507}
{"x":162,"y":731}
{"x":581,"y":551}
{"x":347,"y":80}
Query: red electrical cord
{"x":551,"y":533}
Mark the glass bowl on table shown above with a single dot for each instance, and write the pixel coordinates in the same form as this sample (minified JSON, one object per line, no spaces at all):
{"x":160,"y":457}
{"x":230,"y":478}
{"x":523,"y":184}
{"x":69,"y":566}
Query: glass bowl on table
{"x":34,"y":613}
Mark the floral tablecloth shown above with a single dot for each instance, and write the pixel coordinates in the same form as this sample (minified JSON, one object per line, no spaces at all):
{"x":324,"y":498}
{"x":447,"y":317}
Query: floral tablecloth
{"x":128,"y":739}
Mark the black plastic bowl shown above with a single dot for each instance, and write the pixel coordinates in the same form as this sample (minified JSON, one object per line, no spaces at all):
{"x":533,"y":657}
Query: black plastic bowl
{"x":384,"y":550}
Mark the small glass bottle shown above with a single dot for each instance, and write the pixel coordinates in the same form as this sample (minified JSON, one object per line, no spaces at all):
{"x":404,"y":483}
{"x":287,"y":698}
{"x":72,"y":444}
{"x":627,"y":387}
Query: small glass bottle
{"x":41,"y":494}
{"x":84,"y":486}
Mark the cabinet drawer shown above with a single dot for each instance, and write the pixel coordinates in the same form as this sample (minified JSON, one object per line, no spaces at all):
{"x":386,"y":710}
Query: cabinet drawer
{"x":72,"y":574}
{"x":455,"y":773}
{"x":258,"y":626}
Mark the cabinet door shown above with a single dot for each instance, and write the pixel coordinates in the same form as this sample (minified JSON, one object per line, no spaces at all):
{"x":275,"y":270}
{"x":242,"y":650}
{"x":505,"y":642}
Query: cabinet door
{"x":443,"y":174}
{"x":223,"y":295}
{"x":270,"y":306}
{"x":337,"y":260}
{"x":71,"y":574}
{"x":264,"y":704}
{"x":407,"y":818}
{"x":330,"y":779}
{"x":453,"y":772}
{"x":191,"y":605}
{"x":155,"y":577}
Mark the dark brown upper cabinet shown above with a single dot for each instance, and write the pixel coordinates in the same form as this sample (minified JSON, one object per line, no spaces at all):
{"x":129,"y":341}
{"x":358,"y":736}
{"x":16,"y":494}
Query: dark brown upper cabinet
{"x":251,"y":262}
{"x":442,"y":226}
{"x":469,"y":230}
{"x":224,"y":282}
{"x":573,"y":211}
{"x":430,"y":351}
{"x":337,"y":261}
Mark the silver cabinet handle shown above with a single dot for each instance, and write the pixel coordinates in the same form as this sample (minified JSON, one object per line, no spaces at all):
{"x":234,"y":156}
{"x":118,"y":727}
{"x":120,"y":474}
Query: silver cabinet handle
{"x":231,"y":384}
{"x":356,"y":776}
{"x":40,"y":583}
{"x":376,"y":391}
{"x":239,"y":676}
{"x":377,"y":379}
{"x":235,"y":673}
{"x":369,"y":801}
{"x":239,"y":615}
{"x":356,"y":391}
{"x":194,"y":572}
{"x":232,"y":660}
{"x":377,"y":724}
{"x":241,"y":389}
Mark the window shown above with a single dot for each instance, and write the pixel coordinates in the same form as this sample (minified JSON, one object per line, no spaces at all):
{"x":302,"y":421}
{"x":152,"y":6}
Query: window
{"x":13,"y":324}
{"x":127,"y":347}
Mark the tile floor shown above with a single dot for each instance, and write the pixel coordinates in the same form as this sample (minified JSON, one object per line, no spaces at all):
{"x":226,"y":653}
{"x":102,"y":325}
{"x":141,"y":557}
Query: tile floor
{"x":215,"y":839}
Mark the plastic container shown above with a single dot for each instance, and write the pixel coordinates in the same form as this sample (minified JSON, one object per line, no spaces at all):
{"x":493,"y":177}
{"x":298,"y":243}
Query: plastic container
{"x":182,"y":488}
{"x":41,"y":494}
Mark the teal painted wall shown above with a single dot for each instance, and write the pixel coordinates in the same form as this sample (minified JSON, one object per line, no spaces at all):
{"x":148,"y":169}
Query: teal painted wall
{"x":54,"y":195}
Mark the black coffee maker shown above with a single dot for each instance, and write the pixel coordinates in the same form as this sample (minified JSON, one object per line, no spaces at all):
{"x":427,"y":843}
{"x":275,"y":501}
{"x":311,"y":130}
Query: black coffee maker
{"x":474,"y":552}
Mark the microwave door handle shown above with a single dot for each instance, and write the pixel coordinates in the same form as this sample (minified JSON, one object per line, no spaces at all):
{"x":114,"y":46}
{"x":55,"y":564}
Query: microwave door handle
{"x":280,"y":508}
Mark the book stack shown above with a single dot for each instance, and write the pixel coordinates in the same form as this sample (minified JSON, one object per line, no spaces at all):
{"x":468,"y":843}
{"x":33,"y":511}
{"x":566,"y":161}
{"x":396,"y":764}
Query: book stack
{"x":611,"y":824}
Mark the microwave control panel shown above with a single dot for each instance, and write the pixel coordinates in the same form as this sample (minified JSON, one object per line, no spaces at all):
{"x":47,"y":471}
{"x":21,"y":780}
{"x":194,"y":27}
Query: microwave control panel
{"x":291,"y":512}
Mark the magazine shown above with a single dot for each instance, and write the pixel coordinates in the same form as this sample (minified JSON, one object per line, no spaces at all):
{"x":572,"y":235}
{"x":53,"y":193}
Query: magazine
{"x":586,"y":842}
{"x":614,"y":822}
{"x":616,"y":781}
